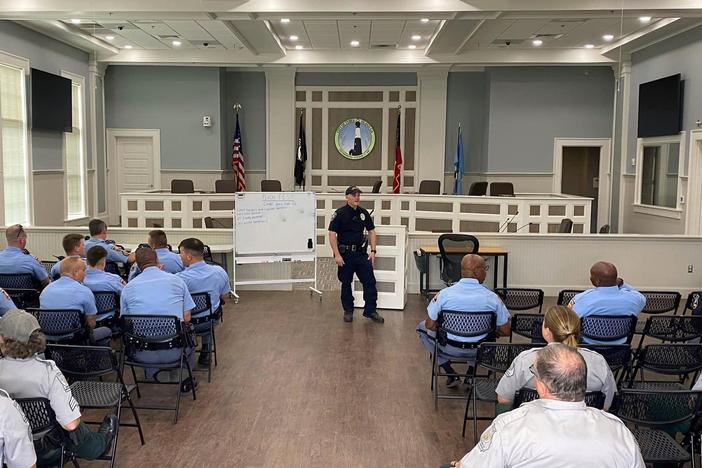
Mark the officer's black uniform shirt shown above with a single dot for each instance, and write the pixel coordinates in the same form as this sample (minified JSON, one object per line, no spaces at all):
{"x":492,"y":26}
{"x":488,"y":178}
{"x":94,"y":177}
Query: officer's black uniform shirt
{"x":349,"y":223}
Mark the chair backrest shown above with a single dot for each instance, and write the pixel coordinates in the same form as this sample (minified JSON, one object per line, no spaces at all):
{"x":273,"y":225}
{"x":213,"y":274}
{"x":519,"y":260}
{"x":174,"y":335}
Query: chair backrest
{"x":151,"y":332}
{"x":17,"y":281}
{"x":271,"y":185}
{"x":48,"y":265}
{"x":521,"y":298}
{"x":660,"y":302}
{"x":40,"y":416}
{"x":422,"y":261}
{"x":501,"y":189}
{"x":452,"y":248}
{"x":497,"y":357}
{"x":656,"y":408}
{"x":524,"y":395}
{"x":605,"y":229}
{"x":674,"y":327}
{"x":566,"y":295}
{"x":527,"y":325}
{"x":617,"y":356}
{"x":430,"y":187}
{"x":693,"y":301}
{"x":670,"y":358}
{"x":59,"y":323}
{"x":107,"y":302}
{"x":182,"y":186}
{"x":207,"y":255}
{"x":566,"y":226}
{"x":83,"y":362}
{"x":608,"y":328}
{"x":376,"y":186}
{"x":225,"y":186}
{"x":24,"y":298}
{"x":478,"y":188}
{"x":466,"y":324}
{"x":209,"y":224}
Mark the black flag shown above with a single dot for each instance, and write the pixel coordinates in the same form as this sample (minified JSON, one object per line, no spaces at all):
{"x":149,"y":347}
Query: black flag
{"x":301,"y":156}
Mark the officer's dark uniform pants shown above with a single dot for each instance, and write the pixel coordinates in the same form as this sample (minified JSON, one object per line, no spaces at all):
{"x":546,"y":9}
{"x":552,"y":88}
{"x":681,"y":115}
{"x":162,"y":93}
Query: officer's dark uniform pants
{"x":83,"y":442}
{"x":357,"y":262}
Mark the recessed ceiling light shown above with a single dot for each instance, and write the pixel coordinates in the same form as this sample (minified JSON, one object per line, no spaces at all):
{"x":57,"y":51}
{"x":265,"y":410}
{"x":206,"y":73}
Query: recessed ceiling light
{"x":537,"y":42}
{"x":411,"y":46}
{"x":644,"y":19}
{"x":284,"y":20}
{"x":608,"y":37}
{"x":416,"y":37}
{"x":354,"y":43}
{"x":109,"y":38}
{"x":424,"y":20}
{"x":127,"y":46}
{"x":299,"y":47}
{"x":176,"y":43}
{"x":293,"y":38}
{"x":589,"y":46}
{"x":75,"y":21}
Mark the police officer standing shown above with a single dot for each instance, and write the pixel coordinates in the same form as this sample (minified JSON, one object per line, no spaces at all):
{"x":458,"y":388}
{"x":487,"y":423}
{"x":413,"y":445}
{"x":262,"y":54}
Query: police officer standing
{"x":350,"y":253}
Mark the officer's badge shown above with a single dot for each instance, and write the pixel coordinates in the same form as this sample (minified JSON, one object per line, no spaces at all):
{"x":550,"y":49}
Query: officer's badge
{"x":486,"y":439}
{"x":363,"y":216}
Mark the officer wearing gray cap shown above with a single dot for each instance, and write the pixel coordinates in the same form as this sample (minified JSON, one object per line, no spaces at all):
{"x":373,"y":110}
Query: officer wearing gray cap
{"x":350,"y":253}
{"x":23,"y":374}
{"x":16,"y":446}
{"x":558,"y":429}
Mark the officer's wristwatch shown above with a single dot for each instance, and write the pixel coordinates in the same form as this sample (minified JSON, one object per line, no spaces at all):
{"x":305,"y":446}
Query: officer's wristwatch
{"x":374,"y":251}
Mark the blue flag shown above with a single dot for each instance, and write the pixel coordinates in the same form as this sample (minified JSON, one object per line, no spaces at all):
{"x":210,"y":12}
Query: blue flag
{"x":458,"y":165}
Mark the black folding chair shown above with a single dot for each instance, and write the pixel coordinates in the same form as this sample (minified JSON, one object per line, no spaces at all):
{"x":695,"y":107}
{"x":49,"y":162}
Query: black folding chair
{"x":152,"y":333}
{"x":527,"y":325}
{"x":672,"y":328}
{"x":48,"y":265}
{"x":452,"y":249}
{"x":566,"y":295}
{"x":85,"y":367}
{"x":203,"y":314}
{"x":524,"y":395}
{"x":693,"y":300}
{"x":607,"y":329}
{"x":460,"y":324}
{"x":63,"y":326}
{"x":658,"y":302}
{"x":673,"y":359}
{"x":22,"y":288}
{"x":46,"y":431}
{"x":521,"y":298}
{"x":495,"y":358}
{"x":107,"y":302}
{"x":618,"y":357}
{"x":658,"y":410}
{"x":24,"y":298}
{"x":422,"y":262}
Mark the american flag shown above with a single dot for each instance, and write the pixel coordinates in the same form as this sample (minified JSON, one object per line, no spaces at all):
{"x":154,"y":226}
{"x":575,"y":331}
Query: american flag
{"x":398,"y":159}
{"x":238,"y":159}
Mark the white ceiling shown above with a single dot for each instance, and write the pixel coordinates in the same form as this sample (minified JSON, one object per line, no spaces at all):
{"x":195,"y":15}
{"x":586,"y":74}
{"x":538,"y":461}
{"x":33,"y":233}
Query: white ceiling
{"x":253,"y":32}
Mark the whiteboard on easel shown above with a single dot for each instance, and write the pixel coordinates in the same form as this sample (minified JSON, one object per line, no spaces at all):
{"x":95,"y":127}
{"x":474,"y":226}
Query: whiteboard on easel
{"x":275,"y":223}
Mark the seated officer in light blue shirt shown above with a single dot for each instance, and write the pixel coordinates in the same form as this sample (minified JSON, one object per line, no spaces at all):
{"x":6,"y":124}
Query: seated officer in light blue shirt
{"x":155,"y":292}
{"x":96,"y":278}
{"x":170,"y":261}
{"x":98,"y":237}
{"x":15,"y":259}
{"x":611,"y":296}
{"x":6,"y":302}
{"x":74,"y":246}
{"x":468,"y":295}
{"x":68,"y":292}
{"x":201,"y":277}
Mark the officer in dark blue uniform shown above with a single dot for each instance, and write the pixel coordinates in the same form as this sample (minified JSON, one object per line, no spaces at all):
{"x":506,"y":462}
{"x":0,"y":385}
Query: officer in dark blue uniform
{"x":350,"y":253}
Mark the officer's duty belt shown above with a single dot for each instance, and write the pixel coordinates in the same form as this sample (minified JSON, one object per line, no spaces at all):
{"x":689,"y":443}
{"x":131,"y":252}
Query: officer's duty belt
{"x":351,"y":248}
{"x":462,"y":344}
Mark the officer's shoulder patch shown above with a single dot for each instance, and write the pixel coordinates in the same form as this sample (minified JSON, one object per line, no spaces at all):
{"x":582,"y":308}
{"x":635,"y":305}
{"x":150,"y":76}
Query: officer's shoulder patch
{"x":363,"y":216}
{"x":510,"y":372}
{"x":486,"y":438}
{"x":333,"y":216}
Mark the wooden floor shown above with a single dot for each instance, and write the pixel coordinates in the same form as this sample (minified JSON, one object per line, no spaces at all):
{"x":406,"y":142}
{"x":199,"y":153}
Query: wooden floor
{"x":298,"y":387}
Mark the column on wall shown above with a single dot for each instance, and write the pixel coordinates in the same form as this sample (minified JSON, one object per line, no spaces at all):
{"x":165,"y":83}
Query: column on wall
{"x":280,"y":126}
{"x":622,"y":146}
{"x":432,"y":84}
{"x":96,"y":152}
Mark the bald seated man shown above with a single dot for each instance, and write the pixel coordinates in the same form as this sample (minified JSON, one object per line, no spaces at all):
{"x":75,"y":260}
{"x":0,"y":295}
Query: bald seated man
{"x":610,"y":296}
{"x":467,"y":295}
{"x":558,"y":429}
{"x":15,"y":258}
{"x":69,"y":292}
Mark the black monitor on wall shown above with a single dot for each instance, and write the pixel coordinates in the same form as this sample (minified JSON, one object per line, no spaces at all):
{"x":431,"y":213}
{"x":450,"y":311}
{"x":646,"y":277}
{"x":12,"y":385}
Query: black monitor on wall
{"x":661,"y":107}
{"x":51,"y":102}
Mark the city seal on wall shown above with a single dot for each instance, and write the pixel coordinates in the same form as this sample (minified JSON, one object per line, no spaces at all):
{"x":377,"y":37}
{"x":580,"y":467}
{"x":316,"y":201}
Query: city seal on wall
{"x":354,"y":138}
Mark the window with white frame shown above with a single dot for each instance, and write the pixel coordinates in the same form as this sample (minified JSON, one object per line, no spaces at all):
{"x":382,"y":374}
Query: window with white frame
{"x":658,"y":172}
{"x":13,"y":141}
{"x":74,"y":153}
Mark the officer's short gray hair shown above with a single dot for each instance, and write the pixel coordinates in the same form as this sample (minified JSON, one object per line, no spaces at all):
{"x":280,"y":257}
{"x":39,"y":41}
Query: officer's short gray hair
{"x":563,"y":371}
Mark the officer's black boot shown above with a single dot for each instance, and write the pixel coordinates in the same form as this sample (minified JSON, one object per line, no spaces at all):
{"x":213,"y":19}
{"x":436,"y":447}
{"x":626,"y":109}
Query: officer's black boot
{"x":348,"y":315}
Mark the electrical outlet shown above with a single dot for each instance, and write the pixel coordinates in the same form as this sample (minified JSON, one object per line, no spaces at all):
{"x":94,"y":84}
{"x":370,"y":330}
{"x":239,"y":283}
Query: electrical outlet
{"x":689,"y":268}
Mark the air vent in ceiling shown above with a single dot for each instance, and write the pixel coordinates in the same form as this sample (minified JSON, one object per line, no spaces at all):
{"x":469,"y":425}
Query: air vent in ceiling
{"x":547,"y":36}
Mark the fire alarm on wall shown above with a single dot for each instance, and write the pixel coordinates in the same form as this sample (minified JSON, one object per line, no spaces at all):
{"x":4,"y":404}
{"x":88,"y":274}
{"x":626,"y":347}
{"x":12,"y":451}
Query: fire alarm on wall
{"x":206,"y":121}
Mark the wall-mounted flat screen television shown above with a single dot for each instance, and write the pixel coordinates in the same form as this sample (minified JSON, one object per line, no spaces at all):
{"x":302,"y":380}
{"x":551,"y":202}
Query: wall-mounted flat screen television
{"x":661,"y":107}
{"x":51,"y":102}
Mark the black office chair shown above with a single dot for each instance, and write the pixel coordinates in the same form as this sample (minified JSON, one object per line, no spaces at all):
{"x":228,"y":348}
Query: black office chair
{"x":225,"y":186}
{"x":478,"y":189}
{"x":524,"y":395}
{"x":521,"y":298}
{"x":605,"y":229}
{"x":566,"y":226}
{"x":693,"y":301}
{"x":452,"y":249}
{"x":501,"y":189}
{"x":46,"y":430}
{"x":376,"y":186}
{"x":567,"y":295}
{"x":182,"y":186}
{"x":527,"y":325}
{"x":422,"y":262}
{"x":430,"y":187}
{"x":270,"y":185}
